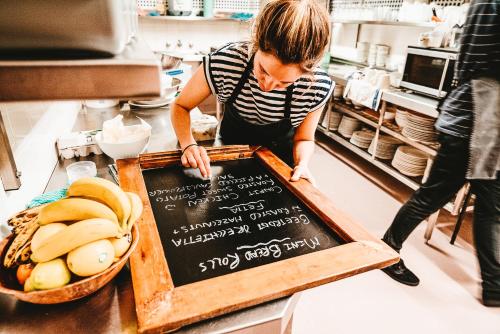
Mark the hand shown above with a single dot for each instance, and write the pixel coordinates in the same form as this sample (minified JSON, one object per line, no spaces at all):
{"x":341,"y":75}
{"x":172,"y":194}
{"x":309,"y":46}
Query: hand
{"x":196,"y":157}
{"x":302,"y":172}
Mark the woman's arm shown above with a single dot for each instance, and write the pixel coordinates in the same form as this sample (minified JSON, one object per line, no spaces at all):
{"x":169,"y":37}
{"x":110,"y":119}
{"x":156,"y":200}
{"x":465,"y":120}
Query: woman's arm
{"x":195,"y":91}
{"x":303,"y":146}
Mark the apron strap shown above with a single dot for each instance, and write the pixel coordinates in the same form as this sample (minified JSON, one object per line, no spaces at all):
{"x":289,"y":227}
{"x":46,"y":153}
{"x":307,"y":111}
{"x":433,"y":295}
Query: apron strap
{"x":288,"y":101}
{"x":242,"y":82}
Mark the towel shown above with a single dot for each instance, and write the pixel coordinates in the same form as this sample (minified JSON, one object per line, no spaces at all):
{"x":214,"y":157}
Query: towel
{"x":362,"y":92}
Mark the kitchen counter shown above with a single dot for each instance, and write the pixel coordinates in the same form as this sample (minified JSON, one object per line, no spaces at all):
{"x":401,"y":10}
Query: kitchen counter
{"x":112,"y":308}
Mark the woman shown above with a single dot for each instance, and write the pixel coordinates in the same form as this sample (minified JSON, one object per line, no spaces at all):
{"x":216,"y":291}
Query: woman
{"x":273,"y":94}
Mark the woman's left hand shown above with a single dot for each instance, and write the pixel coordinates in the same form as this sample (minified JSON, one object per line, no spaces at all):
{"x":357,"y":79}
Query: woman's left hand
{"x":302,"y":172}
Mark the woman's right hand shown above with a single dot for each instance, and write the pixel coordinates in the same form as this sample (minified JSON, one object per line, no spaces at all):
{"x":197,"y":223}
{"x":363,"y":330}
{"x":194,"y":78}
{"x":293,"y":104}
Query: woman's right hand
{"x":196,"y":157}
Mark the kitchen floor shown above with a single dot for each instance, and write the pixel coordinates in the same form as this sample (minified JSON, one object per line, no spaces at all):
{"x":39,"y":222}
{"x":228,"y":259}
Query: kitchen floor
{"x":446,"y":301}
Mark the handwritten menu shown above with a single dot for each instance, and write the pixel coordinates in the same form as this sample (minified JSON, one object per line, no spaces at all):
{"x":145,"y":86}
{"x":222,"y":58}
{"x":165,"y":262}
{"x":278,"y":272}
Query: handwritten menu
{"x":242,"y":218}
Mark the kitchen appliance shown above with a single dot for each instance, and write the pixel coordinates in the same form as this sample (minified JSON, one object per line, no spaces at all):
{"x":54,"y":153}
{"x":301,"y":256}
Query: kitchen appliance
{"x":429,"y":70}
{"x":100,"y":27}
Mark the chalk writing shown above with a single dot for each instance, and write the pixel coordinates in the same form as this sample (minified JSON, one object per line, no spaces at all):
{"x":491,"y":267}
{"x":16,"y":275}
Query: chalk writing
{"x":201,"y":238}
{"x":212,"y":223}
{"x":168,"y":198}
{"x":301,"y":219}
{"x":216,"y":198}
{"x":231,"y":260}
{"x":245,"y":206}
{"x":274,"y":212}
{"x":275,"y":189}
{"x":180,"y":189}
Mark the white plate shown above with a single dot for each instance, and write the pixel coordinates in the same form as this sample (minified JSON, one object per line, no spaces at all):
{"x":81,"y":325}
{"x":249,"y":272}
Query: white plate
{"x":150,"y":106}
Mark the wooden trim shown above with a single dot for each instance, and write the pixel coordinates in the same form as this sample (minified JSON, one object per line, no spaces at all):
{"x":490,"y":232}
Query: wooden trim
{"x":161,"y":306}
{"x":151,"y":277}
{"x":316,"y":201}
{"x":164,"y":159}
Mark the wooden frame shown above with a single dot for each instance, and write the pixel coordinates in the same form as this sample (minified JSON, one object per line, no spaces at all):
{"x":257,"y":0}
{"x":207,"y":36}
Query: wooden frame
{"x":161,"y":306}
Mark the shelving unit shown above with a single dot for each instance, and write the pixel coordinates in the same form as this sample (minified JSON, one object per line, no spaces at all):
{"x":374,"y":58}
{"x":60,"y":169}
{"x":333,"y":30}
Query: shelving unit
{"x":367,"y":156}
{"x":189,"y":18}
{"x":373,"y":119}
{"x":387,"y":23}
{"x":133,"y":74}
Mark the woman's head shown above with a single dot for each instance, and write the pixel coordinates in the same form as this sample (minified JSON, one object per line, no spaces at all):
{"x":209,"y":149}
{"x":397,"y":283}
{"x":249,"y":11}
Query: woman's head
{"x":291,"y":35}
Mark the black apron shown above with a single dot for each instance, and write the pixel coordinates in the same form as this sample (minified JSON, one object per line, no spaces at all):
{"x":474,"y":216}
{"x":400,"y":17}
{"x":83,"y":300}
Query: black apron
{"x":278,"y":136}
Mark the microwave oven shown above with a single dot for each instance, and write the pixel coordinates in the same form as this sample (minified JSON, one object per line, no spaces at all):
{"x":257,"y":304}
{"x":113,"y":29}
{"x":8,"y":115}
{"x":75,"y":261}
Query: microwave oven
{"x":429,"y":70}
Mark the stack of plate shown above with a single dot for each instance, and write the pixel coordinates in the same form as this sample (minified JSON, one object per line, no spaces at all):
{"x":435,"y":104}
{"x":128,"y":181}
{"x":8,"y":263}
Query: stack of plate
{"x":156,"y":103}
{"x":386,"y":147}
{"x":410,"y":161}
{"x":348,"y":125}
{"x":420,"y":128}
{"x":401,"y":118}
{"x":334,"y":121}
{"x":362,"y":138}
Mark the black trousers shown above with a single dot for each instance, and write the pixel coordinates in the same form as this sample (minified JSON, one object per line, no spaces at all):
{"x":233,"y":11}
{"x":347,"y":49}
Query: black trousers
{"x":446,"y":177}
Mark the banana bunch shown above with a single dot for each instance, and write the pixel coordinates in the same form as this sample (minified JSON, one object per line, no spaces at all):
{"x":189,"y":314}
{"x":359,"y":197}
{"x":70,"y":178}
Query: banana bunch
{"x":82,"y":234}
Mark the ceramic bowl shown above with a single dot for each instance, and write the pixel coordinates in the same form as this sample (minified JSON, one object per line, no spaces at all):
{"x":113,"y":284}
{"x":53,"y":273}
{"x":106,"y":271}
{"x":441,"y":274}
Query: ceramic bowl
{"x":122,"y":150}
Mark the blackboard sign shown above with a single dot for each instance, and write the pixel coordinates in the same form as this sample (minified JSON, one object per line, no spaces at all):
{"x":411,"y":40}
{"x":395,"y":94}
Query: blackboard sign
{"x":242,"y":218}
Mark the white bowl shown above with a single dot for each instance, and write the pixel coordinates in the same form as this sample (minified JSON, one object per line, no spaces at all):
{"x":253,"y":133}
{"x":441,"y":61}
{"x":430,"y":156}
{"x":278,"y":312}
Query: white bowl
{"x":123,"y":150}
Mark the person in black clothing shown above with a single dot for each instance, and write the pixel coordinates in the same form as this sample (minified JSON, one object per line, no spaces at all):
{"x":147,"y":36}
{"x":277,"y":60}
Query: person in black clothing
{"x":469,"y":126}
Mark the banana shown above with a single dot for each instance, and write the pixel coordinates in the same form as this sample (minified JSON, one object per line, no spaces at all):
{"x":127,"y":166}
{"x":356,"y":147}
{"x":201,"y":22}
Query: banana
{"x":73,"y":236}
{"x":45,"y":232}
{"x":74,"y":209}
{"x":136,"y":204}
{"x":104,"y":191}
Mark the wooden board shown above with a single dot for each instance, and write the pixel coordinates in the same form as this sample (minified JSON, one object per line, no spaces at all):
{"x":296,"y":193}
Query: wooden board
{"x":163,"y":306}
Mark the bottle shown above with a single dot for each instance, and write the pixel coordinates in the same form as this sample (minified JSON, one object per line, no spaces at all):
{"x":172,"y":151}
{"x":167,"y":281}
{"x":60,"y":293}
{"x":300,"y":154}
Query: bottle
{"x":180,"y":7}
{"x":208,"y":8}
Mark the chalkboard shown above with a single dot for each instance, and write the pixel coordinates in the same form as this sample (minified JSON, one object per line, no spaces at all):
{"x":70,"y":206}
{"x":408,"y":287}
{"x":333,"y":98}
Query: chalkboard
{"x":242,"y":218}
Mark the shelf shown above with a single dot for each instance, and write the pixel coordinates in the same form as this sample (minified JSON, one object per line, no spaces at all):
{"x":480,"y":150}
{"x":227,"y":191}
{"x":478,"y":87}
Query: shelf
{"x":422,"y":147}
{"x":388,"y":23}
{"x":133,"y":74}
{"x":190,"y":18}
{"x":422,"y":104}
{"x":392,"y":130}
{"x":356,"y":114}
{"x":383,"y":166}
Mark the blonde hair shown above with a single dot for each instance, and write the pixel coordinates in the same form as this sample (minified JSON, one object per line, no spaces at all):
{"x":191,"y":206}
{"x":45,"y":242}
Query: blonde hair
{"x":295,"y":31}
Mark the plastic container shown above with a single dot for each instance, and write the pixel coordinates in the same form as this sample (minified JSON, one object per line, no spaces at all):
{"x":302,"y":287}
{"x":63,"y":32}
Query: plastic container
{"x":208,"y":8}
{"x":180,"y":7}
{"x":81,"y":169}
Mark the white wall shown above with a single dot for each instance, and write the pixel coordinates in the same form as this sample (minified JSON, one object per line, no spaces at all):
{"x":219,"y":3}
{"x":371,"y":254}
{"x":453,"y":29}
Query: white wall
{"x":203,"y":34}
{"x":397,"y":37}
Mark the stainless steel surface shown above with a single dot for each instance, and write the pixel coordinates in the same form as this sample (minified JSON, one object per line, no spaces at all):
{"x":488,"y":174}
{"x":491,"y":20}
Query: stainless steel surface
{"x":168,"y":61}
{"x":101,"y":26}
{"x":112,"y":309}
{"x":389,"y":23}
{"x":271,"y":317}
{"x":440,"y":91}
{"x":422,"y":104}
{"x":9,"y":174}
{"x":135,"y":73}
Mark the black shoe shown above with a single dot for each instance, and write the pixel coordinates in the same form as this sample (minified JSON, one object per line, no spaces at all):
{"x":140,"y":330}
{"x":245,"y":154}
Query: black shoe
{"x":400,"y":273}
{"x":491,"y":299}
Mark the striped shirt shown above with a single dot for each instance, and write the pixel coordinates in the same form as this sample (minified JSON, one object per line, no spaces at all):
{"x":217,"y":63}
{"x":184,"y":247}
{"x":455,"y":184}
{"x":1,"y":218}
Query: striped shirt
{"x":224,"y":68}
{"x":479,"y":55}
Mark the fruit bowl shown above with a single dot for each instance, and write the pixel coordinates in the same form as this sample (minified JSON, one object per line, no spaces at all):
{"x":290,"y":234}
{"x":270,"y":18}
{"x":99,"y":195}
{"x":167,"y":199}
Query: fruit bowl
{"x":72,"y":291}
